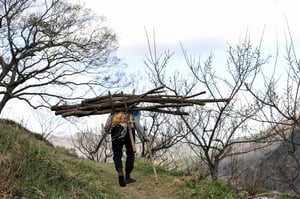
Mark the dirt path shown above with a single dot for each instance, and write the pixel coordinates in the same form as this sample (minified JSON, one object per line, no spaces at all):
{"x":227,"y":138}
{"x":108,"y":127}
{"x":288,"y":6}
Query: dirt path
{"x":145,"y":187}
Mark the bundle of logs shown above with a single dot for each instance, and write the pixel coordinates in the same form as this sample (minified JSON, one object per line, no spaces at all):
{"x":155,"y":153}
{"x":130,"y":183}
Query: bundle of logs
{"x":156,"y":99}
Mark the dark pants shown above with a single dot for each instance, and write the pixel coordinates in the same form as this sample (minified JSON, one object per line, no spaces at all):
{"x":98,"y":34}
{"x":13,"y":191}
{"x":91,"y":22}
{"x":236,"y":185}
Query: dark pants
{"x":117,"y":146}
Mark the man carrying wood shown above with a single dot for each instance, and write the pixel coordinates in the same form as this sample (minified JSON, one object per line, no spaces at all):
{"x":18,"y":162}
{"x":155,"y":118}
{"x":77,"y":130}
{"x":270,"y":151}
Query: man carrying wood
{"x":122,"y":127}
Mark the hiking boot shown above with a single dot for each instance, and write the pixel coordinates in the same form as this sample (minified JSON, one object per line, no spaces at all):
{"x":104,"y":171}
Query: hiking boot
{"x":129,"y":180}
{"x":122,"y":182}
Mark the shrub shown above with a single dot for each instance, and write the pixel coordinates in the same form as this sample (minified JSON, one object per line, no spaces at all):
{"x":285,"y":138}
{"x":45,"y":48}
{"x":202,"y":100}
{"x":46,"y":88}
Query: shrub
{"x":199,"y":187}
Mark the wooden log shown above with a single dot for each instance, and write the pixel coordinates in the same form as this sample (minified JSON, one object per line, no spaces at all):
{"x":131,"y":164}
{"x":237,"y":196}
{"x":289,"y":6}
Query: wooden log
{"x":119,"y":95}
{"x":107,"y":107}
{"x":195,"y":95}
{"x":115,"y":102}
{"x":90,"y":113}
{"x":64,"y":107}
{"x":160,"y":100}
{"x":132,"y":141}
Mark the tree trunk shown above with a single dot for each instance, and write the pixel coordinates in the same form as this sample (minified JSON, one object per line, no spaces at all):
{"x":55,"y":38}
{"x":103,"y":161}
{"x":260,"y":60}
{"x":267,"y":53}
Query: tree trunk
{"x":3,"y":102}
{"x":214,"y":170}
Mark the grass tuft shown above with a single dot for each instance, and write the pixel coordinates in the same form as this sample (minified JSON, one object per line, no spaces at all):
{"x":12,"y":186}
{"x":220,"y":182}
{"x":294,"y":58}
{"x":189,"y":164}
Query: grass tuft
{"x":199,"y":187}
{"x":33,"y":169}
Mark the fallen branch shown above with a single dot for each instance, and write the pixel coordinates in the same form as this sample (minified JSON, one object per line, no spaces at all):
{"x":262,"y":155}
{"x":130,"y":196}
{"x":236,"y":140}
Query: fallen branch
{"x":159,"y":102}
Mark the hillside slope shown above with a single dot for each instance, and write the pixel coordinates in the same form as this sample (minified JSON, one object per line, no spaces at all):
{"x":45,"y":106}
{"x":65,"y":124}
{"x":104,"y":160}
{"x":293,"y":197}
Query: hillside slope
{"x":32,"y":168}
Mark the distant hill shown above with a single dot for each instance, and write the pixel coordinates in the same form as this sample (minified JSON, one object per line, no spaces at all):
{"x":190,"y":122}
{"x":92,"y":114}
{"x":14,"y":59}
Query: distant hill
{"x":282,"y":165}
{"x":269,"y":168}
{"x":31,"y":167}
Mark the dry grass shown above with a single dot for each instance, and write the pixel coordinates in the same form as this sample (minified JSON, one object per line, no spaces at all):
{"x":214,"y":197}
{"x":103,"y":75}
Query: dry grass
{"x":31,"y":168}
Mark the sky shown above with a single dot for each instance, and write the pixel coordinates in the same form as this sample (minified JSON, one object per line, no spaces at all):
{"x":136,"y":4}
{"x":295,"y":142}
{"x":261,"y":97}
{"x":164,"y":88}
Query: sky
{"x":202,"y":26}
{"x":176,"y":20}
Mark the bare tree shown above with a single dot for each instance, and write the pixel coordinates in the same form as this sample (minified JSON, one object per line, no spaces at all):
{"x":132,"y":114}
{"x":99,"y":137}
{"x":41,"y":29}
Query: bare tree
{"x":47,"y":125}
{"x":163,"y":133}
{"x":86,"y":142}
{"x":52,"y":50}
{"x":279,"y":100}
{"x":212,"y":130}
{"x":223,"y":125}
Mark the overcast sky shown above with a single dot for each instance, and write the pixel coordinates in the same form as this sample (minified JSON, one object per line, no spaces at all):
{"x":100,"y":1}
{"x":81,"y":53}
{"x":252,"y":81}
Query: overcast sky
{"x":201,"y":25}
{"x":176,"y":20}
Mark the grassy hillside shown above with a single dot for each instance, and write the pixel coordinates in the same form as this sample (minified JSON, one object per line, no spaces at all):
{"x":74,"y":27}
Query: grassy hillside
{"x":32,"y":168}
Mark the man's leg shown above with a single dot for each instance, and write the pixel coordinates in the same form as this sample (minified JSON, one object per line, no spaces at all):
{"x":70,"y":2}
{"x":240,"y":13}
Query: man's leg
{"x":129,"y":159}
{"x":117,"y":146}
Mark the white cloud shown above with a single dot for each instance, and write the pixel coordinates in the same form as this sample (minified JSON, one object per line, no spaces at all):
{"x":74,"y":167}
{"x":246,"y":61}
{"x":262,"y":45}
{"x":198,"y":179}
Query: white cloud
{"x":182,"y":20}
